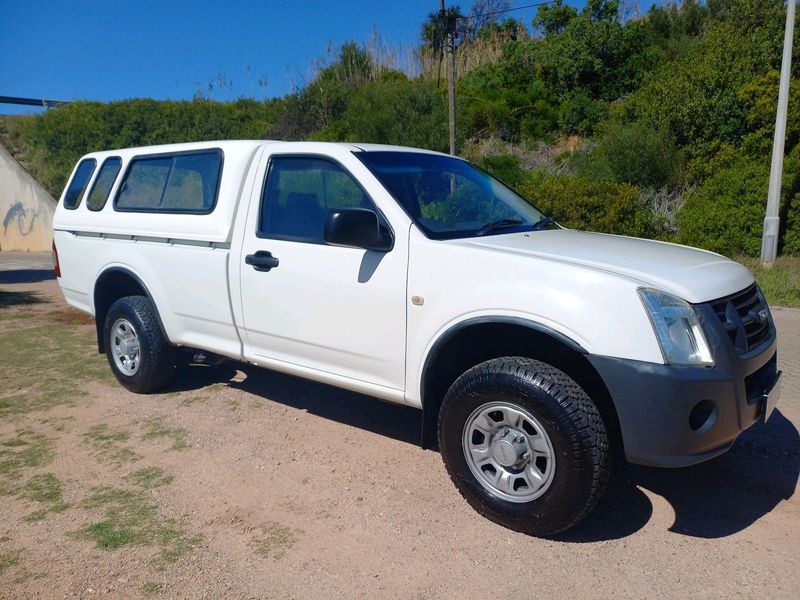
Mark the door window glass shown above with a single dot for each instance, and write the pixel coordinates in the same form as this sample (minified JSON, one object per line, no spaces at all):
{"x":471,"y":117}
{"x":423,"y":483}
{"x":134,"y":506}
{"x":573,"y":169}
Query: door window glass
{"x":299,"y":193}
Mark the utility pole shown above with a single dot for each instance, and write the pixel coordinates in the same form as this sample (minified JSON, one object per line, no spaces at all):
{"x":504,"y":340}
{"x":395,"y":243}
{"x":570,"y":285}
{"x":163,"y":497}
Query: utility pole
{"x":450,"y":42}
{"x":769,"y":241}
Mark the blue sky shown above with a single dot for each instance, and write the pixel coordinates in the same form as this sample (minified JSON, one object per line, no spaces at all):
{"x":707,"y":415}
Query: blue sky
{"x":116,"y":49}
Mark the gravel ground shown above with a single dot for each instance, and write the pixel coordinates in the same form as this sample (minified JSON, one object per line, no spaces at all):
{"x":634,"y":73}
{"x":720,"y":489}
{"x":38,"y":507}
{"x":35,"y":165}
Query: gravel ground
{"x":290,"y":489}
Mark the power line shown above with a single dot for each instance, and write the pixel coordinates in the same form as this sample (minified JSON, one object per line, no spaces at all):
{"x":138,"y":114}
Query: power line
{"x":505,"y":10}
{"x":448,"y":19}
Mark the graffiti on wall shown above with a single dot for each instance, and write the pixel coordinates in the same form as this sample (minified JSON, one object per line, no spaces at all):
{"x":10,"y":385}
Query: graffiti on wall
{"x":24,"y":218}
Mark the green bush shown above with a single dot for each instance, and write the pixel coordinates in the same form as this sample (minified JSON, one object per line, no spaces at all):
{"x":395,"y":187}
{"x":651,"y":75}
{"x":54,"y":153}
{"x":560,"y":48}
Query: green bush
{"x":697,"y":95}
{"x":393,"y":110}
{"x":791,"y":227}
{"x":506,"y":167}
{"x":56,"y":139}
{"x":789,"y":242}
{"x":498,"y":100}
{"x":325,"y":99}
{"x":634,"y":153}
{"x":579,"y":113}
{"x":594,"y":206}
{"x":726,"y":214}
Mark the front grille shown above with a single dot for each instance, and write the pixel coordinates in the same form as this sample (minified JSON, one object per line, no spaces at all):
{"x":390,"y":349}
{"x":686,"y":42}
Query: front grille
{"x":745,"y":318}
{"x":757,"y":384}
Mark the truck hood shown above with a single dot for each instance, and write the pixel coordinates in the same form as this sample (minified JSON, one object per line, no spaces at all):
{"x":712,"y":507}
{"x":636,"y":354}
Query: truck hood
{"x":692,"y":274}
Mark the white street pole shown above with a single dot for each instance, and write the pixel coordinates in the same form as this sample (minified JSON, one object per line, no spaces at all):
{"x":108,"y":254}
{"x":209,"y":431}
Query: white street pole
{"x":769,"y":241}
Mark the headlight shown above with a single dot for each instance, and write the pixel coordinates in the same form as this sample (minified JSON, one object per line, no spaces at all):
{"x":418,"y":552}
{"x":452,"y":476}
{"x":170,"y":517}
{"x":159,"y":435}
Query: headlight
{"x":677,"y":329}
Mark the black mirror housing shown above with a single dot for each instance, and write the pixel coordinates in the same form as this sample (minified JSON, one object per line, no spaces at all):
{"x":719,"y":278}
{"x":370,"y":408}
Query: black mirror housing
{"x":356,"y":228}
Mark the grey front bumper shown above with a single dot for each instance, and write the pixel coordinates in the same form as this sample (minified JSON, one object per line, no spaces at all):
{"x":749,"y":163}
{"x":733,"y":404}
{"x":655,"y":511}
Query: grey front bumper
{"x":674,"y":416}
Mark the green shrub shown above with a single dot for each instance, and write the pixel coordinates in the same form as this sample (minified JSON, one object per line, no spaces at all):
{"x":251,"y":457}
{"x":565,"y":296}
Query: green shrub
{"x":506,"y":167}
{"x":393,"y":110}
{"x":634,"y":153}
{"x":726,"y":214}
{"x":594,"y":206}
{"x":324,"y":100}
{"x":56,"y":139}
{"x":791,"y":227}
{"x":497,"y":100}
{"x":697,"y":95}
{"x":579,"y":113}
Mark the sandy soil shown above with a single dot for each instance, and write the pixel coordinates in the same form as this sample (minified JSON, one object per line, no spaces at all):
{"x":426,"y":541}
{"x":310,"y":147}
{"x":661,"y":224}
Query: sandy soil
{"x":299,"y":490}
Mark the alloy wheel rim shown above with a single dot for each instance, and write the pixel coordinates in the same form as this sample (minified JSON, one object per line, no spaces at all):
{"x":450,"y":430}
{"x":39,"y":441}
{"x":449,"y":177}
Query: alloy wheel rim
{"x":125,"y":347}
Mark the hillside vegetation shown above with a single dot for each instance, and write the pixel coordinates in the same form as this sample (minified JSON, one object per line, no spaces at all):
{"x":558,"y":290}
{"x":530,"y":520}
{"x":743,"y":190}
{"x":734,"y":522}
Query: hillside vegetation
{"x":659,"y":125}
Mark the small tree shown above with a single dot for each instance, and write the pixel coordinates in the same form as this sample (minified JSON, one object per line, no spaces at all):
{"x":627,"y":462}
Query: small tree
{"x":553,"y":18}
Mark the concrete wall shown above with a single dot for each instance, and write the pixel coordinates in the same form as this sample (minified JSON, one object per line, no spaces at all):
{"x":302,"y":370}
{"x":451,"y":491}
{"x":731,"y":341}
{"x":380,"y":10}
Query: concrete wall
{"x":25,"y":208}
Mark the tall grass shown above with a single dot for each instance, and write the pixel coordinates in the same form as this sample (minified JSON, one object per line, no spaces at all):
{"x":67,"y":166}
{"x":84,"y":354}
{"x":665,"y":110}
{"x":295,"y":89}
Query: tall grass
{"x":781,"y":282}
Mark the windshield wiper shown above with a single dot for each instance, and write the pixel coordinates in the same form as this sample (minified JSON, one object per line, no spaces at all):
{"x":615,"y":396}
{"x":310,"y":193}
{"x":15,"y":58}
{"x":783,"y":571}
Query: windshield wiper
{"x":542,"y":223}
{"x":495,"y":225}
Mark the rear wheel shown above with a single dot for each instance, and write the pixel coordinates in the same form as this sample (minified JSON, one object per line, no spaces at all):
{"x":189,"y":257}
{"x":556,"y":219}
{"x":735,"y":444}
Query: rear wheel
{"x":524,"y":444}
{"x":139,"y":355}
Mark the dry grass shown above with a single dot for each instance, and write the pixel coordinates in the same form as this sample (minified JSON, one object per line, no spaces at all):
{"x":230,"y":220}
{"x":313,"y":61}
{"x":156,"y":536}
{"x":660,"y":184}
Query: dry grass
{"x":156,"y":429}
{"x":27,"y":449}
{"x":42,"y":362}
{"x":275,"y":540}
{"x":44,"y":487}
{"x":107,"y":444}
{"x":469,"y":56}
{"x":149,"y":478}
{"x":781,"y":282}
{"x":70,"y":316}
{"x":8,"y":559}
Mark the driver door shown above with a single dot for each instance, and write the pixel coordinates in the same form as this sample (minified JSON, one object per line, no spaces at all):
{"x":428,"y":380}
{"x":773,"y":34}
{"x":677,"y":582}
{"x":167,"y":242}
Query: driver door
{"x":334,"y":311}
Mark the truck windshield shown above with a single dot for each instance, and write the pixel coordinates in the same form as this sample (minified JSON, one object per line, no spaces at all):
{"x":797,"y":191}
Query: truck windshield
{"x":449,"y":198}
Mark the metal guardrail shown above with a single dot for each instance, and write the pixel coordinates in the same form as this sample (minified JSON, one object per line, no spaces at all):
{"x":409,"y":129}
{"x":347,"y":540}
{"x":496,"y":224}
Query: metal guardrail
{"x":43,"y":102}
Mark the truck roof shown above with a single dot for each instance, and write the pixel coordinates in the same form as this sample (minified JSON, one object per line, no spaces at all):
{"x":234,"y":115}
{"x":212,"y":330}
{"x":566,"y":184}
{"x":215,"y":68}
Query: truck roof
{"x":214,"y":227}
{"x":246,"y":146}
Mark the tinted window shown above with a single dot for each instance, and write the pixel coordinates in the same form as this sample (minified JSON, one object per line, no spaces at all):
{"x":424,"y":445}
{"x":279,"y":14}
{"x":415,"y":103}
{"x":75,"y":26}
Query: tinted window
{"x":79,"y":182}
{"x":299,"y":193}
{"x":179,"y":183}
{"x":449,"y":198}
{"x":103,"y":184}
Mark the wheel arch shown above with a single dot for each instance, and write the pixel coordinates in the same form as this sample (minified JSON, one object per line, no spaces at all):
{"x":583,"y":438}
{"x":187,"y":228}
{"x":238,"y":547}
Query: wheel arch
{"x":112,"y":284}
{"x":479,"y":339}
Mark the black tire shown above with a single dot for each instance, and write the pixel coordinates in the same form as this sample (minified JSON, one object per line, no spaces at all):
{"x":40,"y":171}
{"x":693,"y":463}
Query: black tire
{"x":571,"y":421}
{"x":156,"y":366}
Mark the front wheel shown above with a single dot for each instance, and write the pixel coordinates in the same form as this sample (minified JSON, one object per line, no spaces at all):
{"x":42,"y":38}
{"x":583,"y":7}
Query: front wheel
{"x":524,"y":444}
{"x":139,"y":355}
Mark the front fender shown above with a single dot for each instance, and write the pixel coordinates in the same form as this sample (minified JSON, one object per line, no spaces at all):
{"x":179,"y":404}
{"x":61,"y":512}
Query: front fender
{"x":534,"y":322}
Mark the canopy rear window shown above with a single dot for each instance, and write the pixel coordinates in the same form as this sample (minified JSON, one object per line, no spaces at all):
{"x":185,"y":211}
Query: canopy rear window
{"x":185,"y":182}
{"x":77,"y":186}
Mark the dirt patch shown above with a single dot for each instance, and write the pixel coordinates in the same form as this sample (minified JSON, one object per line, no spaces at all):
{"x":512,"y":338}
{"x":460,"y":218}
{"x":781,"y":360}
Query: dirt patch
{"x":70,"y":316}
{"x":244,"y":483}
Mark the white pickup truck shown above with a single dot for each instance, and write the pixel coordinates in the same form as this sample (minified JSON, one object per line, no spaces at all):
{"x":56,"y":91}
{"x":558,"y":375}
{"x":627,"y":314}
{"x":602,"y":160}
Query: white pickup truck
{"x":534,"y":352}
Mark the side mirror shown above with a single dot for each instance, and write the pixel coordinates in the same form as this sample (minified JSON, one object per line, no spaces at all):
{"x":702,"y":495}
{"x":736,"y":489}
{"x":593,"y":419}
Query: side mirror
{"x":356,"y":228}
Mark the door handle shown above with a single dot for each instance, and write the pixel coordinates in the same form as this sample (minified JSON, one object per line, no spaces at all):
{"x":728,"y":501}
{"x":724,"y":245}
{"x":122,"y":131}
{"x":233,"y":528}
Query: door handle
{"x":262,"y":260}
